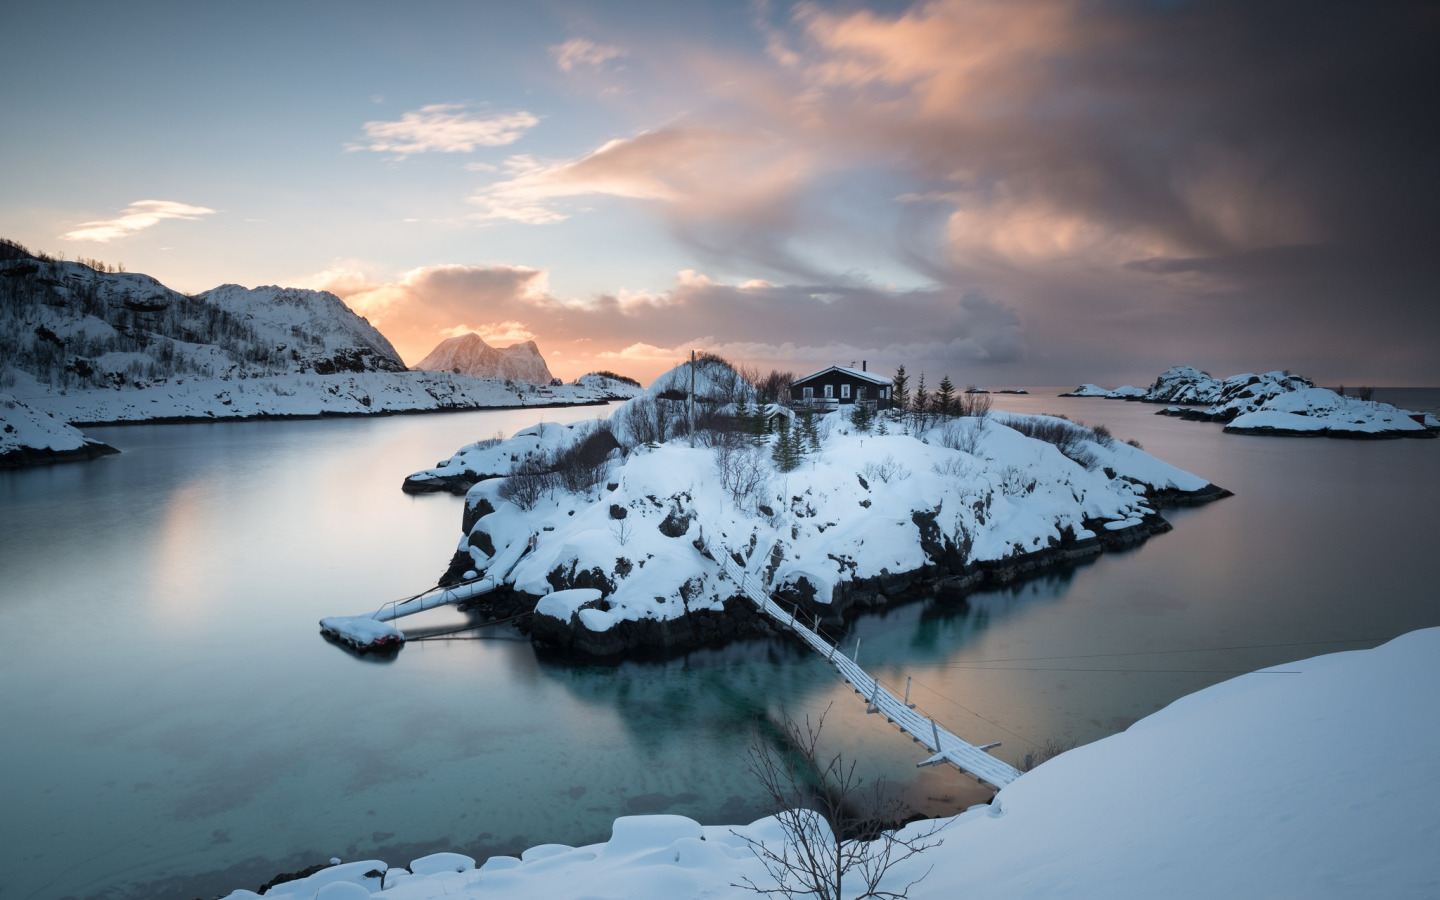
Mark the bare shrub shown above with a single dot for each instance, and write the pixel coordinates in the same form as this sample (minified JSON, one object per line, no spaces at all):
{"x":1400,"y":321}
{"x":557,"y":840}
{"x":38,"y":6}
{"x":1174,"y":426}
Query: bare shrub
{"x":646,"y":420}
{"x":774,"y":387}
{"x":835,"y":827}
{"x":585,"y":463}
{"x":974,"y":404}
{"x":743,"y":470}
{"x":887,"y":470}
{"x":951,"y":467}
{"x":1102,"y":436}
{"x":1052,"y":748}
{"x":529,"y":480}
{"x":1067,"y":437}
{"x":962,"y":435}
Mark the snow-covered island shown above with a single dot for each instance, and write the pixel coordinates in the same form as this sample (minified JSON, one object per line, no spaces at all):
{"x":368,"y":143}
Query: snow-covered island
{"x":1275,"y":403}
{"x":87,"y":345}
{"x":827,"y":511}
{"x":1309,"y":779}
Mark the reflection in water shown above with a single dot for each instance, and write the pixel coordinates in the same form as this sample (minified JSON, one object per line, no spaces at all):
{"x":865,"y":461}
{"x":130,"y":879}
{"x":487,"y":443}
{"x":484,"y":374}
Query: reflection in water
{"x":175,"y":725}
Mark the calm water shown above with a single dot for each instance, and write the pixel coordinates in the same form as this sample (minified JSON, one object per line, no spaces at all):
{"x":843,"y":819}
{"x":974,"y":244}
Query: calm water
{"x":174,"y":726}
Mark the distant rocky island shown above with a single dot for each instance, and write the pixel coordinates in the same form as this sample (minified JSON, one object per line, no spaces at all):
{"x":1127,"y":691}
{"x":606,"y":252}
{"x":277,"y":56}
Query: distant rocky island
{"x":1275,"y":403}
{"x":83,"y":344}
{"x":620,"y":526}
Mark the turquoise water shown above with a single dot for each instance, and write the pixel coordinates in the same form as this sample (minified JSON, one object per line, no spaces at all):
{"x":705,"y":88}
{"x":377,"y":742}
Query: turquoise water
{"x":176,"y":727}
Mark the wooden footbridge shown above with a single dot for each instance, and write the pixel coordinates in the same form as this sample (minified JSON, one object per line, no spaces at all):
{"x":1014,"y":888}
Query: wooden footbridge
{"x":374,"y":631}
{"x":946,"y":747}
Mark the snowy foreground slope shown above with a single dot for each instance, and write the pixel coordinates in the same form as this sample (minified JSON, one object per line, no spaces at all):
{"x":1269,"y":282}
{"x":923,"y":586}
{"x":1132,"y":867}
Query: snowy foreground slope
{"x":1275,"y":403}
{"x":861,"y":519}
{"x":29,"y":436}
{"x":1313,"y":779}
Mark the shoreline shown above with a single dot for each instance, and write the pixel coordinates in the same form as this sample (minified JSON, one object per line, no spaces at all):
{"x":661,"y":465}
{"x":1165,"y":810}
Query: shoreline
{"x":326,"y":414}
{"x":661,"y":639}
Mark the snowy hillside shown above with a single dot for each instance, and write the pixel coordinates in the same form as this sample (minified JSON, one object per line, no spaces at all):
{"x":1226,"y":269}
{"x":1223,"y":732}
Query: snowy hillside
{"x":91,"y":345}
{"x":1275,"y":403}
{"x":320,"y":332}
{"x":1312,"y":779}
{"x":69,"y":326}
{"x":850,"y":517}
{"x":31,"y":437}
{"x":468,"y":354}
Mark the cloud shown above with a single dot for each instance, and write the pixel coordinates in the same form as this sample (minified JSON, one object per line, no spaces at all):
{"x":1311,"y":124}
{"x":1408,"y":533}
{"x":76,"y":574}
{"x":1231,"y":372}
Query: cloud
{"x":704,"y":180}
{"x":138,"y":216}
{"x":653,"y":331}
{"x":444,"y":128}
{"x":578,"y":51}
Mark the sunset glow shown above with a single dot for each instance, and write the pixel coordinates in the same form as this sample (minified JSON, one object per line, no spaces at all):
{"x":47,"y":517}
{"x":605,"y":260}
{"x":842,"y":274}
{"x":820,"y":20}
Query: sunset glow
{"x":1028,"y":192}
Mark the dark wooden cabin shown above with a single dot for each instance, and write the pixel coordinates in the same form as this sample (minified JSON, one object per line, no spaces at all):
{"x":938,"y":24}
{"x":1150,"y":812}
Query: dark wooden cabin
{"x":839,"y":385}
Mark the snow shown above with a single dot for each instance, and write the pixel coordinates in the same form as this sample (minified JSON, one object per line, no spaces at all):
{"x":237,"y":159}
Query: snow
{"x":866,"y":506}
{"x":360,"y":631}
{"x":352,"y":393}
{"x":22,"y":426}
{"x":564,"y":604}
{"x":1313,"y":779}
{"x":1323,"y":411}
{"x":93,"y":347}
{"x":491,"y":458}
{"x":1277,"y":403}
{"x":279,"y":315}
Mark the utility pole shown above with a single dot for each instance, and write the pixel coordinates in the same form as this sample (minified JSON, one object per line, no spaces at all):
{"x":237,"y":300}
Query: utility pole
{"x":691,"y":404}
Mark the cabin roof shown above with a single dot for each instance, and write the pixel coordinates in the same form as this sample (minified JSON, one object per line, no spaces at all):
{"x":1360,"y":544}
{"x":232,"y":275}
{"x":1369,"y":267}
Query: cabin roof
{"x":857,"y":374}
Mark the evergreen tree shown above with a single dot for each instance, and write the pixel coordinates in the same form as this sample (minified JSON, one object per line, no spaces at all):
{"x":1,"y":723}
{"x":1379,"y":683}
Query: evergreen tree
{"x":945,"y":397}
{"x":900,"y":393}
{"x":785,"y":453}
{"x":810,"y":431}
{"x":921,"y":406}
{"x":754,"y":423}
{"x":861,"y":417}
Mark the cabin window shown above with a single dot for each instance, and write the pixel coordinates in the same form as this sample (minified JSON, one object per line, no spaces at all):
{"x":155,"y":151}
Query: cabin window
{"x":860,"y":393}
{"x":884,"y":393}
{"x":844,"y":392}
{"x":829,"y":391}
{"x":808,"y":393}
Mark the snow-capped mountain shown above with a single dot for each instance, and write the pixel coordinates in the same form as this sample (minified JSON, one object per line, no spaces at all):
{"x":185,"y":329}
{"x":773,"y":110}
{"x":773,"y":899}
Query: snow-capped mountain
{"x":74,"y":325}
{"x":323,"y":334}
{"x":468,"y":354}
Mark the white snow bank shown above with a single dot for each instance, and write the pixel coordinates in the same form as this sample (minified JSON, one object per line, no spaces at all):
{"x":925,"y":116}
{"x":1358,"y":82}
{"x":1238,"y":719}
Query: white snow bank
{"x":1314,"y":779}
{"x":353,"y":393}
{"x":23,"y":427}
{"x":564,"y":604}
{"x":1318,"y":409}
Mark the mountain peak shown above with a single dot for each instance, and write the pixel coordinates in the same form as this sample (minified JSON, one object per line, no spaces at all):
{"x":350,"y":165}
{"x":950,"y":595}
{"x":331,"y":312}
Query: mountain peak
{"x":469,"y":354}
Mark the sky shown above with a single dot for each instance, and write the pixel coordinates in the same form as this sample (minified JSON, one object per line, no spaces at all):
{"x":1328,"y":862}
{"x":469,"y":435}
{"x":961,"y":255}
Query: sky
{"x":1010,"y":192}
